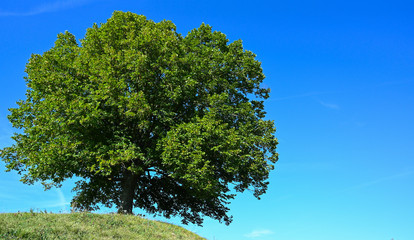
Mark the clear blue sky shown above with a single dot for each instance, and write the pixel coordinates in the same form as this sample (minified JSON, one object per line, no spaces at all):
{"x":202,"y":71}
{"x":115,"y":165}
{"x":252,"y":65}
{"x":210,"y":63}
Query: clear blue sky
{"x":342,"y":80}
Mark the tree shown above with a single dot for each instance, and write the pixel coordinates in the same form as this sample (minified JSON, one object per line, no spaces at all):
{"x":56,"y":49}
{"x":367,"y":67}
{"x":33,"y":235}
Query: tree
{"x":145,"y":118}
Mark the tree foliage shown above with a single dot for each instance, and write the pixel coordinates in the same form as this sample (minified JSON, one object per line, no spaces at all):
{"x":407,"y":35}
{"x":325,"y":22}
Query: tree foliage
{"x":146,"y":118}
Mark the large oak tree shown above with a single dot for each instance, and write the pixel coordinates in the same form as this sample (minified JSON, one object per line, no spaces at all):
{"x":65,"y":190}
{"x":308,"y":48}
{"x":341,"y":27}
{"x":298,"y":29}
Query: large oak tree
{"x":146,"y":118}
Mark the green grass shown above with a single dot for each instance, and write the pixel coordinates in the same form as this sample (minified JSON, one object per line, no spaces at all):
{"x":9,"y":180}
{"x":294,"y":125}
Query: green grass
{"x":87,"y":226}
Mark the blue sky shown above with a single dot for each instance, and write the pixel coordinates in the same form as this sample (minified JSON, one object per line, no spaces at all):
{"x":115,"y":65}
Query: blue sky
{"x":342,"y":81}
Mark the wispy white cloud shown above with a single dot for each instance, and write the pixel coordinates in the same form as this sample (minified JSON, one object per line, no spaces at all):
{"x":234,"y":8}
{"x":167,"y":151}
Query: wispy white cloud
{"x":8,"y":196}
{"x":62,"y":199}
{"x":378,"y":181}
{"x":259,"y":233}
{"x":388,"y":83}
{"x":59,"y":202}
{"x":45,"y":8}
{"x":304,"y":95}
{"x":355,"y":88}
{"x":329,"y":105}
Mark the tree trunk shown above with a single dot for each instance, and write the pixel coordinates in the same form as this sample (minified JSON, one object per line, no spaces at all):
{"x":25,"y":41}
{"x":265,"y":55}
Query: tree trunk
{"x":128,"y":191}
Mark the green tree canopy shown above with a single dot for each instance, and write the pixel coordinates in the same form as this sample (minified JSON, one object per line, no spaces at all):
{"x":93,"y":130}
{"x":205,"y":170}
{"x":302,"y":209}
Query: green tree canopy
{"x":146,"y":118}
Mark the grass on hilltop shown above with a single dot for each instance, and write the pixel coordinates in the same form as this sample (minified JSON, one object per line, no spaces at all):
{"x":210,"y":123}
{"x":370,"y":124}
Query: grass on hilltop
{"x":85,"y":225}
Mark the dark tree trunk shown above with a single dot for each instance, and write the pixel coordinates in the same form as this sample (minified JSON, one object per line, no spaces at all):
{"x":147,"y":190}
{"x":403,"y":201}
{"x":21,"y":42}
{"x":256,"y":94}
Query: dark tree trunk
{"x":129,"y":185}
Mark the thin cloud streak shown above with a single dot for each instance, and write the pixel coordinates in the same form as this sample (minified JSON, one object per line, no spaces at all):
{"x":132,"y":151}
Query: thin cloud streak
{"x":377,"y":181}
{"x":60,"y":202}
{"x":329,"y":105}
{"x":259,"y":233}
{"x":309,"y":94}
{"x":389,"y":83}
{"x":360,"y":88}
{"x":46,"y":8}
{"x":62,"y":199}
{"x":8,"y":196}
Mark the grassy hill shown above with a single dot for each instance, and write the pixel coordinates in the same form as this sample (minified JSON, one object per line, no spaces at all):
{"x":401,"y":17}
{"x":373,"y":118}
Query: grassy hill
{"x":87,"y":226}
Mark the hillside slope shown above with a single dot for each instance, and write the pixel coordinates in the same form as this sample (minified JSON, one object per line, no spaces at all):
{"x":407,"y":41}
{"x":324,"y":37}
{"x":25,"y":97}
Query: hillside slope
{"x":87,"y":226}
